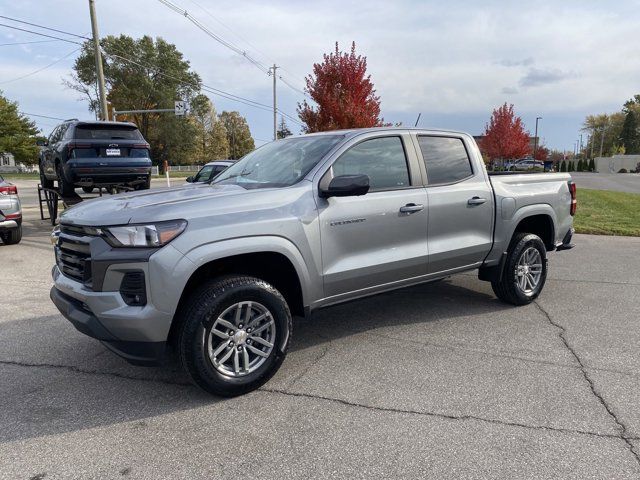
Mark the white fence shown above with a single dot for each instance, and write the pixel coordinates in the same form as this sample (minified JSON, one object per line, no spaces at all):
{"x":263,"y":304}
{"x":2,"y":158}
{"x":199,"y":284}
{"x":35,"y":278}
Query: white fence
{"x":177,"y":168}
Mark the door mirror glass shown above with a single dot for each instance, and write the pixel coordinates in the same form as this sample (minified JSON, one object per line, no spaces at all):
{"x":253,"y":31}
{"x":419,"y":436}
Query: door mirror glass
{"x":346,"y":186}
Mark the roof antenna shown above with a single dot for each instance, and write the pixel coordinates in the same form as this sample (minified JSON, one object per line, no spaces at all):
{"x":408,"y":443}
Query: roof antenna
{"x":418,"y":119}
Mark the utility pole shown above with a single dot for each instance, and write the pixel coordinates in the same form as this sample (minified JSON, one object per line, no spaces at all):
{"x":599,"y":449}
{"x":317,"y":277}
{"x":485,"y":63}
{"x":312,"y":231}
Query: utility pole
{"x":275,"y":105}
{"x":104,"y":112}
{"x":535,"y":140}
{"x":604,"y":127}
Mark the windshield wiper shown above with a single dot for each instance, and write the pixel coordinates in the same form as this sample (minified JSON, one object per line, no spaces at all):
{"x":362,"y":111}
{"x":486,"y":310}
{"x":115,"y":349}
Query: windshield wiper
{"x":241,"y":174}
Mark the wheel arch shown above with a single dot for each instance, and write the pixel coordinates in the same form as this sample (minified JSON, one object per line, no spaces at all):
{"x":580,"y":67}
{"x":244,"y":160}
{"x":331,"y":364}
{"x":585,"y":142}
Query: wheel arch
{"x":281,"y":267}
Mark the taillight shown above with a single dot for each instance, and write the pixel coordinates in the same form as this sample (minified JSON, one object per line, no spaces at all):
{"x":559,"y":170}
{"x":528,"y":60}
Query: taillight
{"x":574,"y":201}
{"x":72,"y":146}
{"x":10,"y":190}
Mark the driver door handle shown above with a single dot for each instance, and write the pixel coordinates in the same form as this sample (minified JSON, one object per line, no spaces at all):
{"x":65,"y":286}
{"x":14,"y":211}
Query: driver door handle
{"x":476,"y":201}
{"x":411,"y":208}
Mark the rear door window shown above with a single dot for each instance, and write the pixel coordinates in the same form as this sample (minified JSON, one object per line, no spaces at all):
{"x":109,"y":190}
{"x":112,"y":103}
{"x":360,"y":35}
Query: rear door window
{"x":445,"y":158}
{"x":103,"y":132}
{"x":382,"y":159}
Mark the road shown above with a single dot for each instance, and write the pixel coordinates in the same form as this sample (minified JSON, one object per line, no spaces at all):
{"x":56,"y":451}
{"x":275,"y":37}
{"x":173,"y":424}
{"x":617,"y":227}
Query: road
{"x":619,"y":182}
{"x":433,"y":381}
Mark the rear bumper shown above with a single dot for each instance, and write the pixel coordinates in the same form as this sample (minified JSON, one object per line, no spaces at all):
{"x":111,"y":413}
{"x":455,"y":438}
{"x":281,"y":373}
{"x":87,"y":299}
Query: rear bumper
{"x":8,"y":224}
{"x":84,"y":174}
{"x":566,"y":241}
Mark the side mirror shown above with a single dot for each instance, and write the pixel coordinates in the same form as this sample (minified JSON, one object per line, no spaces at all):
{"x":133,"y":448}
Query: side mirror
{"x":346,"y":186}
{"x":190,"y":179}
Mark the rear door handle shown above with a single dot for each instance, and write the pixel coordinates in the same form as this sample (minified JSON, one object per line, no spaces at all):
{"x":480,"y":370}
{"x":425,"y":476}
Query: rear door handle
{"x":476,"y":201}
{"x":411,"y":208}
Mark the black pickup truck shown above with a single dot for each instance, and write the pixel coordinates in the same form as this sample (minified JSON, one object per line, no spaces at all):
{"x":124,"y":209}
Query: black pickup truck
{"x":95,"y":154}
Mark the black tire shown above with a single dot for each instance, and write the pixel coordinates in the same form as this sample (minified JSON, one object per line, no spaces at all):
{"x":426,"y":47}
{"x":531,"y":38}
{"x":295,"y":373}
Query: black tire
{"x":144,"y":186}
{"x":13,"y":236}
{"x":44,"y":181}
{"x":64,"y":186}
{"x":507,"y":288}
{"x":197,"y":317}
{"x":87,"y":189}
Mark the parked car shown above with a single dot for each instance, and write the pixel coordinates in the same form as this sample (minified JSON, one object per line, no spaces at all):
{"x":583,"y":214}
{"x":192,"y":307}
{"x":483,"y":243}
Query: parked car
{"x":10,"y":213}
{"x":95,"y":154}
{"x":207,"y":173}
{"x":215,"y":272}
{"x":526,"y":164}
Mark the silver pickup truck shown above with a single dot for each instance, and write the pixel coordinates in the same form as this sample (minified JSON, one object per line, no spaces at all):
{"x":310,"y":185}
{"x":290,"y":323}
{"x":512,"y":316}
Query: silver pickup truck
{"x":215,"y":272}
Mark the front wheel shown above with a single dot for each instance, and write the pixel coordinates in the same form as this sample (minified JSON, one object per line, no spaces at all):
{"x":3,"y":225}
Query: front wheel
{"x":525,"y":270}
{"x":44,"y":181}
{"x":234,"y":334}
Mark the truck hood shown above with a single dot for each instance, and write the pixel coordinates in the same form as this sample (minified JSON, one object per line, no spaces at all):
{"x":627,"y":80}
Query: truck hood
{"x":150,"y":205}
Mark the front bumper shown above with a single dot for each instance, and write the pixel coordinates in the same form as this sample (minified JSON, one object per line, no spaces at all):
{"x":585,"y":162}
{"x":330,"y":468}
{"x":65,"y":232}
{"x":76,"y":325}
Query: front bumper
{"x":136,"y":333}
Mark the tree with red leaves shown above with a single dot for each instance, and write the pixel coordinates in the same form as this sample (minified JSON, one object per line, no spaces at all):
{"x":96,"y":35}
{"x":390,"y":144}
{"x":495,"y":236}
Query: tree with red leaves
{"x":542,"y":153}
{"x":343,"y":92}
{"x":504,"y":135}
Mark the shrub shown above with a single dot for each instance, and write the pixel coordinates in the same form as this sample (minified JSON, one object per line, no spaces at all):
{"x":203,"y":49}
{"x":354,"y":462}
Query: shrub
{"x":563,"y":166}
{"x":592,"y":165}
{"x":623,"y":170}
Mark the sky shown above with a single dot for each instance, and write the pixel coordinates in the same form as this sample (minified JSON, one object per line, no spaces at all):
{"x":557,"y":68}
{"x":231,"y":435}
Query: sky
{"x":453,"y":62}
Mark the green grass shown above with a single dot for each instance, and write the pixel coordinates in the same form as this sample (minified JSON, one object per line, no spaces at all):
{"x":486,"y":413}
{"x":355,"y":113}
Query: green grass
{"x":19,"y":176}
{"x":603,"y":212}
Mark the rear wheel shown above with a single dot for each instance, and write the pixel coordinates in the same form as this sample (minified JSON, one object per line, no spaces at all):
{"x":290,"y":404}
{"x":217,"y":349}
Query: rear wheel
{"x":525,"y":270}
{"x":13,"y":236}
{"x":234,"y":334}
{"x":64,"y":186}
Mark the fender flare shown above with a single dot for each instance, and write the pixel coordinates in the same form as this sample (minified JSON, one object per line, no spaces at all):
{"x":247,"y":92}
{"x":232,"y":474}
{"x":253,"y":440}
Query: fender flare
{"x":217,"y":250}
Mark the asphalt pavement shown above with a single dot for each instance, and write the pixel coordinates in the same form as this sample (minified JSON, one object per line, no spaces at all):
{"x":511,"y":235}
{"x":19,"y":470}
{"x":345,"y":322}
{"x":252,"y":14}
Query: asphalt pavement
{"x":618,"y":182}
{"x":435,"y":381}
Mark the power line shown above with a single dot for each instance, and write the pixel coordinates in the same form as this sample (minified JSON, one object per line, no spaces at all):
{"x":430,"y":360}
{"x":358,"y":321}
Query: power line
{"x":42,"y":116}
{"x":41,"y":34}
{"x":43,"y":27}
{"x":217,"y":38}
{"x":27,"y":43}
{"x":40,"y":69}
{"x":207,"y":88}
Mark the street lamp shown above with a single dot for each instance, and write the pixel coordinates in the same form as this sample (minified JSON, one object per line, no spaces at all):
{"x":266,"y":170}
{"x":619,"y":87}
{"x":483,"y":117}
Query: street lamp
{"x":535,"y":140}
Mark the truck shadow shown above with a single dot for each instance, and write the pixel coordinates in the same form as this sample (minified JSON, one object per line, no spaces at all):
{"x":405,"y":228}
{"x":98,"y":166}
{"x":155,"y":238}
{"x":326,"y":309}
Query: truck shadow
{"x":55,"y":380}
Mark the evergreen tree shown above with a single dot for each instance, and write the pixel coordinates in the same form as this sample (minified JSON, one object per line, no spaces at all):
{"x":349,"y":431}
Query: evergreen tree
{"x":629,"y":136}
{"x":563,"y":166}
{"x":579,"y":168}
{"x":283,"y":130}
{"x":592,"y":165}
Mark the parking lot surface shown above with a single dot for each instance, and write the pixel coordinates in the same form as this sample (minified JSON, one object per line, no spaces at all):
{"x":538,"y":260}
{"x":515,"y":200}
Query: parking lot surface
{"x":618,"y":182}
{"x":439,"y":380}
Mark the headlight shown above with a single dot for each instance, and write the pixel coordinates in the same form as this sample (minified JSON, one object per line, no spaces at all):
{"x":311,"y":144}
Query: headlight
{"x":152,"y":235}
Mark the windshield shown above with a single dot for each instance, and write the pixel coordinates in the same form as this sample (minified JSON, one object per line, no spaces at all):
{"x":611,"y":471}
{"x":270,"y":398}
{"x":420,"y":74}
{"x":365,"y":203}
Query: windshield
{"x":279,"y":164}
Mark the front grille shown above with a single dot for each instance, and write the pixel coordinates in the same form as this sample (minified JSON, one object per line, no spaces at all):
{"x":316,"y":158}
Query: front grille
{"x":73,"y":253}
